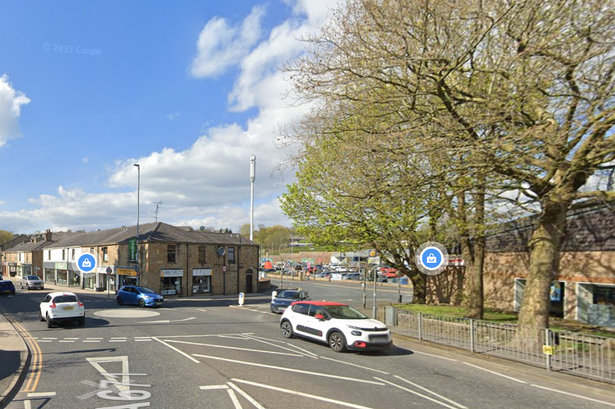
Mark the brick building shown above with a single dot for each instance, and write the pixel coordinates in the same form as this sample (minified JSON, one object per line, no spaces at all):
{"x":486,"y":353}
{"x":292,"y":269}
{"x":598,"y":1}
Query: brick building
{"x":171,"y":260}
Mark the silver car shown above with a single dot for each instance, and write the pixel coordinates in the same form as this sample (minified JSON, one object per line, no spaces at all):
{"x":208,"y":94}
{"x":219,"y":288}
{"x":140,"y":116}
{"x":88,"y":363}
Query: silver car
{"x":32,"y":283}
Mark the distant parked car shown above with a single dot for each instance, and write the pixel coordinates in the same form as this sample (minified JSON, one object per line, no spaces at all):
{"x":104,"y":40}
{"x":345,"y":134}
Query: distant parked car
{"x":351,"y":276}
{"x":32,"y":283}
{"x":141,"y":296}
{"x":61,"y":307}
{"x":7,"y":287}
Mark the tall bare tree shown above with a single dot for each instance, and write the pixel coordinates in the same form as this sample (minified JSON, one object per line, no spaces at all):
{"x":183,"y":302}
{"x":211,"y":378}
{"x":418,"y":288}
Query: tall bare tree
{"x":523,"y":89}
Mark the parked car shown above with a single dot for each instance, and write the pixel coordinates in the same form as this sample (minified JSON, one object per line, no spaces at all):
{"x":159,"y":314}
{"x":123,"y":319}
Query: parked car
{"x":285,"y":297}
{"x":351,"y":276}
{"x":7,"y":287}
{"x":32,"y":283}
{"x":339,"y":325}
{"x":141,"y":296}
{"x":61,"y":307}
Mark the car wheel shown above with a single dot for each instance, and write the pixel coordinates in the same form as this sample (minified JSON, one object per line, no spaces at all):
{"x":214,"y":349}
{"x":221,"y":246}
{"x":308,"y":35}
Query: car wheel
{"x":40,"y":316}
{"x":141,"y":303}
{"x":337,"y":341}
{"x":119,"y":301}
{"x":81,"y":321}
{"x":287,"y":329}
{"x":21,"y":286}
{"x":49,"y":322}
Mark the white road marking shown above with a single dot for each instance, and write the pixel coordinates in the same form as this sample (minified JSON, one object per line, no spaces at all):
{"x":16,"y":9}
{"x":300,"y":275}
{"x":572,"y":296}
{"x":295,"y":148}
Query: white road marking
{"x":430,"y":391}
{"x":72,"y":338}
{"x":344,"y":378}
{"x":202,"y":309}
{"x":246,"y":396}
{"x":435,"y":356}
{"x":355,"y":365}
{"x":234,"y":399}
{"x":305,"y":395}
{"x":212,"y":387}
{"x":41,"y":394}
{"x":166,"y":321}
{"x":236,"y":348}
{"x":294,"y":351}
{"x":143,"y":339}
{"x":495,"y":373}
{"x":176,"y":350}
{"x":117,"y":340}
{"x":417,"y":394}
{"x":69,"y":341}
{"x":49,"y":338}
{"x":205,"y":335}
{"x":27,"y":404}
{"x":44,"y":340}
{"x":572,"y":394}
{"x":92,"y":340}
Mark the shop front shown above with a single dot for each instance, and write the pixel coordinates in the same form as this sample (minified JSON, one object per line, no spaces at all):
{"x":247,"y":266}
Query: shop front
{"x":49,"y":275}
{"x":201,"y":280}
{"x":127,"y":276}
{"x":171,"y":281}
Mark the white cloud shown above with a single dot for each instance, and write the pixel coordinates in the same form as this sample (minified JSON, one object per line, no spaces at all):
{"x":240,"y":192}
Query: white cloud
{"x":172,"y":116}
{"x":10,"y":109}
{"x":208,"y":183}
{"x":220,"y":46}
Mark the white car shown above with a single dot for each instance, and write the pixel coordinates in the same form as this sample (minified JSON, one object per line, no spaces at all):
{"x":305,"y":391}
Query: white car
{"x":339,"y":325}
{"x":61,"y":307}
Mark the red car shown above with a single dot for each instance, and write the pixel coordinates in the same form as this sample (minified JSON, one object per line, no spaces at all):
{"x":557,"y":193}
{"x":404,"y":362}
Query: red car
{"x":388,"y":272}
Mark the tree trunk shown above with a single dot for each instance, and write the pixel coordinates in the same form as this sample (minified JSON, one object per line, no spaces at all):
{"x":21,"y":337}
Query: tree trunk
{"x":418,"y":287}
{"x":544,"y":258}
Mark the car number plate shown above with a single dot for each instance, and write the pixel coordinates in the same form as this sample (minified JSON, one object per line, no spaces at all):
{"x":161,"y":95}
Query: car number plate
{"x":67,"y":308}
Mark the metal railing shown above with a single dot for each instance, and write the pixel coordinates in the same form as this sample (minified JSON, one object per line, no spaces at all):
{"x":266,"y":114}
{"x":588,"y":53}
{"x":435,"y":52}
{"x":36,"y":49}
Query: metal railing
{"x":578,"y":354}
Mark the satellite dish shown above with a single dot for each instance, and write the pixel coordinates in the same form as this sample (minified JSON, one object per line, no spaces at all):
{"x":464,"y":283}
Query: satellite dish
{"x":220,"y":251}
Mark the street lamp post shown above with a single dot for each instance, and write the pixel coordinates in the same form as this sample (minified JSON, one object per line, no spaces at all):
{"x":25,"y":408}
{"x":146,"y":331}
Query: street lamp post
{"x":252,"y":178}
{"x":138,"y":216}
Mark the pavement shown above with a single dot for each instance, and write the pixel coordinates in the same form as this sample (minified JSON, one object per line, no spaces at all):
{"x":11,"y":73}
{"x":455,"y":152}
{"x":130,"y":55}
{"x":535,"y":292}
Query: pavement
{"x":14,"y":359}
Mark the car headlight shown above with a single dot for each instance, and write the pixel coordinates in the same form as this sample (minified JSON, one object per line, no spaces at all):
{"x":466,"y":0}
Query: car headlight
{"x":147,"y":297}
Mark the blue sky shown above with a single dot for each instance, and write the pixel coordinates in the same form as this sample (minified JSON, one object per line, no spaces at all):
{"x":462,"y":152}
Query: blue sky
{"x":187,"y":89}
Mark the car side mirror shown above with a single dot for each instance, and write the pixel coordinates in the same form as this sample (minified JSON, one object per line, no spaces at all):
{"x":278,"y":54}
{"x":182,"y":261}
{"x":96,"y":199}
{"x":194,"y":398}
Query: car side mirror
{"x":319,"y":317}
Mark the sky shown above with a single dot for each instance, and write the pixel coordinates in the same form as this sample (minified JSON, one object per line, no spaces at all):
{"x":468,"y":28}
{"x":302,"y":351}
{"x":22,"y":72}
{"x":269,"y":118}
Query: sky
{"x":188,"y":90}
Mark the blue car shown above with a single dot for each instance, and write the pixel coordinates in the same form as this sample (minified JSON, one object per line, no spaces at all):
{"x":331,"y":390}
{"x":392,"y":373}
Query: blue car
{"x":7,"y":287}
{"x":141,"y":296}
{"x":284,"y":298}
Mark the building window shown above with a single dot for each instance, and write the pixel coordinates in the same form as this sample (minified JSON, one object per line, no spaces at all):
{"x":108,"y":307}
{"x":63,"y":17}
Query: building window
{"x":73,"y":254}
{"x":171,"y":253}
{"x":201,"y":254}
{"x":63,"y":254}
{"x":231,"y":255}
{"x":105,"y":254}
{"x":48,"y":254}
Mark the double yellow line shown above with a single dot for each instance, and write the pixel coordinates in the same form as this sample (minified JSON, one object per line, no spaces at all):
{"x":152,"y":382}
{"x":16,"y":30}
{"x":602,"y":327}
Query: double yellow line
{"x":36,"y":365}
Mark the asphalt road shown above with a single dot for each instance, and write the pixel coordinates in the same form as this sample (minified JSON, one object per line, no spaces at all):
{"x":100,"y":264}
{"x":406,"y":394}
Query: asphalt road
{"x":211,"y":353}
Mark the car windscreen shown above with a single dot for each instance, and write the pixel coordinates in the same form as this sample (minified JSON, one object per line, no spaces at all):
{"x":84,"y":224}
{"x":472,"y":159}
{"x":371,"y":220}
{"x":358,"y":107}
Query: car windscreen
{"x":146,"y":290}
{"x":345,"y":312}
{"x":33,"y":278}
{"x":293,"y":295}
{"x":6,"y":284}
{"x":64,"y":298}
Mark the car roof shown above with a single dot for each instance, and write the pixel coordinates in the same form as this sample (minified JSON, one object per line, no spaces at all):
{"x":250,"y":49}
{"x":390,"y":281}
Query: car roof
{"x":61,"y":293}
{"x":320,"y":303}
{"x":6,"y":281}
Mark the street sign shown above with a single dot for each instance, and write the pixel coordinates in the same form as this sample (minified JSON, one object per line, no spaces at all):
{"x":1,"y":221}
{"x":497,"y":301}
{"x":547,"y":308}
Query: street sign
{"x":224,"y":269}
{"x":86,"y":263}
{"x":109,"y":270}
{"x":241,"y":299}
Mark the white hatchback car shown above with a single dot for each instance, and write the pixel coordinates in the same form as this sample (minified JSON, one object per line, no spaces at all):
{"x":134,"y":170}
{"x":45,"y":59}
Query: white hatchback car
{"x":61,"y":307}
{"x":339,"y":325}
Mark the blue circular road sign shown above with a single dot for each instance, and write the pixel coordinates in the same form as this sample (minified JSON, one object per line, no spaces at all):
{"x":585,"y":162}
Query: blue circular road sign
{"x":86,"y":263}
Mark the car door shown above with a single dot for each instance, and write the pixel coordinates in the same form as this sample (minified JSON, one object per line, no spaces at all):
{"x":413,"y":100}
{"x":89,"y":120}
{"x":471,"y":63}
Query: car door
{"x":314,"y":327}
{"x":44,"y":305}
{"x":298,"y":318}
{"x":132,"y":295}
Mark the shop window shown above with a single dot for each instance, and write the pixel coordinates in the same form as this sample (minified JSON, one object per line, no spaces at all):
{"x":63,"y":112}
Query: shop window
{"x":105,"y":254}
{"x":171,"y":250}
{"x":201,"y":254}
{"x":231,"y":255}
